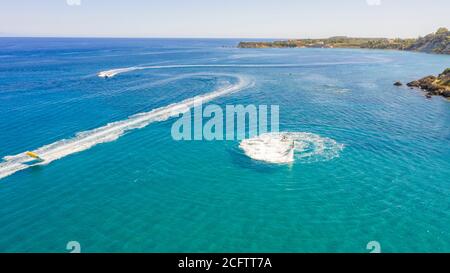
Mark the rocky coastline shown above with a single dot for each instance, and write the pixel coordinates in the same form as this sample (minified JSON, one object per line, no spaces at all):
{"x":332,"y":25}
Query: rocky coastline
{"x":438,"y":43}
{"x":434,"y":86}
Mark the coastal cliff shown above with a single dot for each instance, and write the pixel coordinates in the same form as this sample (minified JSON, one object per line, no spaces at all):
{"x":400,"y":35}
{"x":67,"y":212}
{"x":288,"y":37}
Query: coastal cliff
{"x":438,"y":42}
{"x":434,"y":86}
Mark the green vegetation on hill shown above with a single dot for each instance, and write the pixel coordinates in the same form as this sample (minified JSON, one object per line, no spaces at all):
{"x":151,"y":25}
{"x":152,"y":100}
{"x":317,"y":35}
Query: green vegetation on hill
{"x":438,"y":42}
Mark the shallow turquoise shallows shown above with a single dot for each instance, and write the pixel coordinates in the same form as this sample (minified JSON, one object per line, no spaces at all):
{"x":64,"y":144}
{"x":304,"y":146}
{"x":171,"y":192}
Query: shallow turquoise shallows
{"x":145,"y":192}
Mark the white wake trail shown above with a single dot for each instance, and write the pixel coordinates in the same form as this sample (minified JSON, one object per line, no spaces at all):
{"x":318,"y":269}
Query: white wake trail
{"x":112,"y":131}
{"x":113,"y":72}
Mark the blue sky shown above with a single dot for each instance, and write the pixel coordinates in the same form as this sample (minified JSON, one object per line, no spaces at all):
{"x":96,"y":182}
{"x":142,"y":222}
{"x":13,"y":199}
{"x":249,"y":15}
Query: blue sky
{"x":223,"y":18}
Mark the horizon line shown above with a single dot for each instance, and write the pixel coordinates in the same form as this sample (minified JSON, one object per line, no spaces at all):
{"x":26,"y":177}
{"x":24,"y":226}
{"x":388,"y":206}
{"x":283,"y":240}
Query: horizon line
{"x":196,"y":37}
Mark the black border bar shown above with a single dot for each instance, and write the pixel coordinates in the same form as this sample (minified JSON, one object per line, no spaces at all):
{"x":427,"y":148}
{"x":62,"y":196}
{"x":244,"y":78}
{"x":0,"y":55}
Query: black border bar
{"x":235,"y":262}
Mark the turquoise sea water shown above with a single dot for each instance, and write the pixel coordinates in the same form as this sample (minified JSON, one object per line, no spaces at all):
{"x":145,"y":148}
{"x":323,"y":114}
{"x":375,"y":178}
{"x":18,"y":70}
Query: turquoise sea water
{"x":145,"y":192}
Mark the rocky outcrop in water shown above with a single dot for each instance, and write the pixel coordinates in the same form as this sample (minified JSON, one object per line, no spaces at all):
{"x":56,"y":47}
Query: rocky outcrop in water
{"x":434,"y":86}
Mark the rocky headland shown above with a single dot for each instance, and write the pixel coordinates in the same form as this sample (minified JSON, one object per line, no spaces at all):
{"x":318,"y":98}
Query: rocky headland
{"x":438,"y":43}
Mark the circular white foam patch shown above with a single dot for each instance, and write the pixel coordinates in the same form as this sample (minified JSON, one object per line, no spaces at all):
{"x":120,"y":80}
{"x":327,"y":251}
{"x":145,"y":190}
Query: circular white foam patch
{"x":287,"y":147}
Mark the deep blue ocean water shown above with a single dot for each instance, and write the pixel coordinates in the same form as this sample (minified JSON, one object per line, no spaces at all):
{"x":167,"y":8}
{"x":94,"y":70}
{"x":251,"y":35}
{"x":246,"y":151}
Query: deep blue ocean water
{"x":145,"y":192}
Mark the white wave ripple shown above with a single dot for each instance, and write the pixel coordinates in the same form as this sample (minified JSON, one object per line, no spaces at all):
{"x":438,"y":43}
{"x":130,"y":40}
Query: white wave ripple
{"x":112,"y":131}
{"x":287,"y":147}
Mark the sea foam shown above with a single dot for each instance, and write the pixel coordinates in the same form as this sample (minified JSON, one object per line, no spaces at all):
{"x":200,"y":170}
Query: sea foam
{"x":288,"y":147}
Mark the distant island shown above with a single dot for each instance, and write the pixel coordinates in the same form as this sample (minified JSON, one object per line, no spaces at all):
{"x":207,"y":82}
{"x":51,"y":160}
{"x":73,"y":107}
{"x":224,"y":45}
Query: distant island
{"x":438,"y":43}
